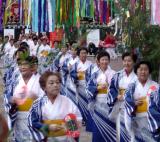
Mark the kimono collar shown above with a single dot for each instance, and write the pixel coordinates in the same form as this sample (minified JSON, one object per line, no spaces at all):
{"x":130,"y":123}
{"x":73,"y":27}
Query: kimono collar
{"x":127,"y":73}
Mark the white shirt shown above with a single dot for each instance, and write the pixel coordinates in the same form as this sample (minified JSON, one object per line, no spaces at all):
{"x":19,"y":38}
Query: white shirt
{"x":10,"y":50}
{"x":33,"y":49}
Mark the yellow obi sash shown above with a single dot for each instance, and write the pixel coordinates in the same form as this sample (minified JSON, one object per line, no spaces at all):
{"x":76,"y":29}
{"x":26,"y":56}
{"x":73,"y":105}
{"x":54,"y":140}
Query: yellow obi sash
{"x":26,"y":105}
{"x":122,"y":91}
{"x":44,"y":53}
{"x":142,"y":108}
{"x":102,"y":90}
{"x":61,"y":132}
{"x":81,"y":75}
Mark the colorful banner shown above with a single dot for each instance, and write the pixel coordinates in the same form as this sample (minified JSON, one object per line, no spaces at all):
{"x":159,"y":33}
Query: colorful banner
{"x":1,"y":16}
{"x":46,"y":15}
{"x":155,"y":12}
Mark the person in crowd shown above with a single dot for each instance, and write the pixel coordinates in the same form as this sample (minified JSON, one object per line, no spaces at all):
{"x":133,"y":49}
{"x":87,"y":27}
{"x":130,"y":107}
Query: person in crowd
{"x":43,"y":52}
{"x":46,"y":117}
{"x":5,"y":43}
{"x":10,"y":49}
{"x":92,"y":69}
{"x":66,"y":68}
{"x":77,"y":75}
{"x":33,"y":48}
{"x":109,"y":44}
{"x":97,"y":88}
{"x":59,"y":62}
{"x":24,"y":88}
{"x":154,"y":112}
{"x":44,"y":49}
{"x":1,"y":42}
{"x":3,"y":128}
{"x":136,"y":103}
{"x":115,"y":97}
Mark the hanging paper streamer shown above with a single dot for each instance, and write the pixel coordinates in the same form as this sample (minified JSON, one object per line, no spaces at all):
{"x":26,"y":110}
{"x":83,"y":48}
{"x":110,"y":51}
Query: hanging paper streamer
{"x":35,"y":18}
{"x":96,"y":10}
{"x":1,"y":15}
{"x":77,"y":14}
{"x":155,"y":12}
{"x":29,"y":13}
{"x":51,"y":15}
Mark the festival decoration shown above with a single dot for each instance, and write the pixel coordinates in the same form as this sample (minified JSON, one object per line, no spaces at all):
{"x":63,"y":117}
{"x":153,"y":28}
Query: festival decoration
{"x":151,"y":89}
{"x":155,"y":12}
{"x":72,"y":126}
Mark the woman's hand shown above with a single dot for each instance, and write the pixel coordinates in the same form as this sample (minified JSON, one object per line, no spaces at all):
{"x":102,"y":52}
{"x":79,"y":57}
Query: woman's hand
{"x":139,"y":102}
{"x":33,"y":96}
{"x":102,"y":86}
{"x":120,"y":97}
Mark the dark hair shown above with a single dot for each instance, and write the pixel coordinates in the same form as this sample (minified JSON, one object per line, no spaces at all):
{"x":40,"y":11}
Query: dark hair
{"x":80,"y":49}
{"x":103,"y":54}
{"x":143,"y":63}
{"x":34,"y":60}
{"x":6,"y":36}
{"x":24,"y":48}
{"x":44,"y":77}
{"x":133,"y":56}
{"x":24,"y":45}
{"x":35,"y":38}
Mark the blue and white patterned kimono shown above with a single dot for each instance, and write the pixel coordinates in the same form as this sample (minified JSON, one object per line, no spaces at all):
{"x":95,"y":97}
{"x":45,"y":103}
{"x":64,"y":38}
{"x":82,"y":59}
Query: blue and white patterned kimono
{"x":154,"y":113}
{"x":92,"y":69}
{"x":69,"y":85}
{"x":61,"y":67}
{"x":44,"y":110}
{"x":136,"y":116}
{"x":77,"y":75}
{"x":18,"y":114}
{"x":43,"y":58}
{"x":118,"y":85}
{"x":97,"y":87}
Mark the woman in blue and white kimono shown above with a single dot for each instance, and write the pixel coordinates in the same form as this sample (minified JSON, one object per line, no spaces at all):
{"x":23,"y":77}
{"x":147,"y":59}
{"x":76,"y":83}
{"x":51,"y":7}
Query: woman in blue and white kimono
{"x":59,"y":62}
{"x":97,"y":87}
{"x":115,"y":97}
{"x":67,"y":66}
{"x":92,"y":69}
{"x":77,"y":75}
{"x":136,"y":103}
{"x":47,"y":115}
{"x":10,"y":76}
{"x":23,"y":89}
{"x":154,"y":113}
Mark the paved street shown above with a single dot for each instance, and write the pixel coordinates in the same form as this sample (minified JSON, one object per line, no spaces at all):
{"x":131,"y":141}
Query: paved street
{"x":85,"y":137}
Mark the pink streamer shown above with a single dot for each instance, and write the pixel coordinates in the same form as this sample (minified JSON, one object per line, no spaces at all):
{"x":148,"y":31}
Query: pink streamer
{"x":157,"y":12}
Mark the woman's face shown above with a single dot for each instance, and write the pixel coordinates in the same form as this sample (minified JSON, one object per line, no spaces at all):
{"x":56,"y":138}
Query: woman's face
{"x":73,"y":52}
{"x":24,"y":68}
{"x":53,"y":85}
{"x":83,"y":55}
{"x":128,"y":63}
{"x":143,"y":72}
{"x":63,"y":50}
{"x":103,"y":62}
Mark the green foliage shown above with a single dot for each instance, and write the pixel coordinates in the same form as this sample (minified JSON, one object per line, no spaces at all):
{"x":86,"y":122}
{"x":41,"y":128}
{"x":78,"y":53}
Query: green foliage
{"x":140,"y":34}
